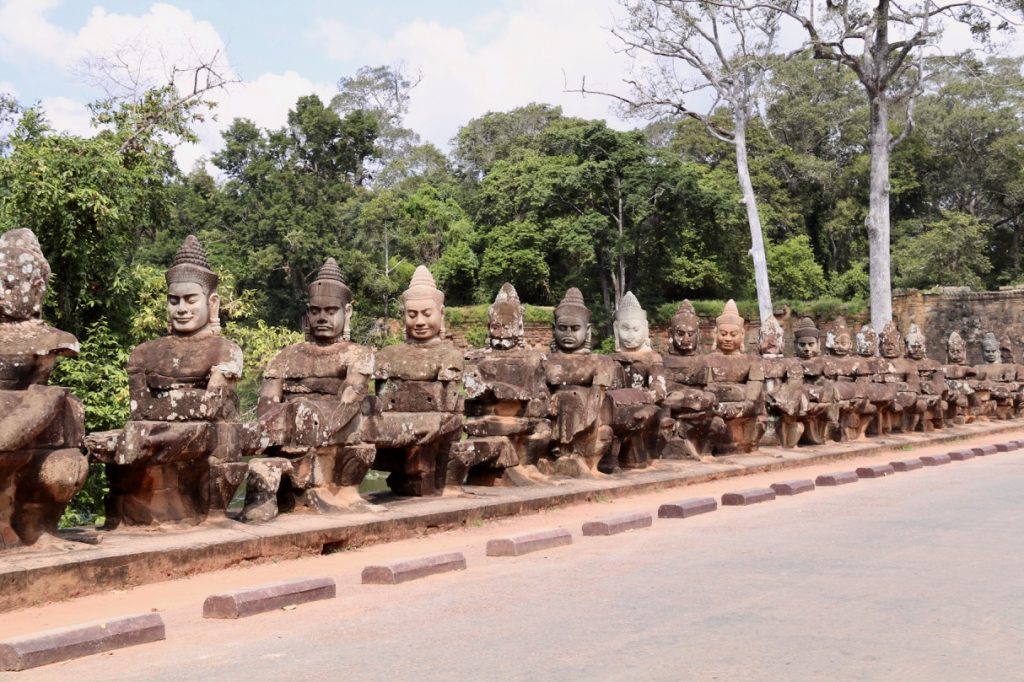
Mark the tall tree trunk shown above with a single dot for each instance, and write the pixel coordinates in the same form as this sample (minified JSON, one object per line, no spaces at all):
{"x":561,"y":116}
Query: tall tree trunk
{"x":764,"y":294}
{"x":878,"y":214}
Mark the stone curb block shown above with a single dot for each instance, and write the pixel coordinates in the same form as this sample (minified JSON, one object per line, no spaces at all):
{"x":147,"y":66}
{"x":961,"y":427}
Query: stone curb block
{"x":531,"y":542}
{"x":268,"y":597}
{"x":411,"y":569}
{"x":907,"y":464}
{"x":51,"y":646}
{"x":611,"y":525}
{"x":742,"y":498}
{"x":876,"y":471}
{"x":1004,"y":447}
{"x":794,"y":487}
{"x":983,"y":450}
{"x":961,"y":455}
{"x":838,"y":478}
{"x":687,"y":508}
{"x":935,"y":460}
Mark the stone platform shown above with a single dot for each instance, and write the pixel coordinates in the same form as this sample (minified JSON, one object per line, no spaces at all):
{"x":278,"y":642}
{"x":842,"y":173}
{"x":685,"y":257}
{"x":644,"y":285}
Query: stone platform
{"x":127,"y":558}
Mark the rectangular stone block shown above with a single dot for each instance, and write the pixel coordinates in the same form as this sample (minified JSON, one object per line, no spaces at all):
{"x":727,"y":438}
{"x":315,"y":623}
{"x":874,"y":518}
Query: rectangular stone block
{"x":687,"y":508}
{"x":742,"y":498}
{"x":960,"y":455}
{"x":51,"y":646}
{"x":907,"y":464}
{"x":620,"y":523}
{"x":876,"y":471}
{"x":268,"y":597}
{"x":531,"y":542}
{"x":412,"y":569}
{"x":838,"y":478}
{"x":1004,"y":447}
{"x":794,"y":487}
{"x":935,"y":460}
{"x":983,"y":450}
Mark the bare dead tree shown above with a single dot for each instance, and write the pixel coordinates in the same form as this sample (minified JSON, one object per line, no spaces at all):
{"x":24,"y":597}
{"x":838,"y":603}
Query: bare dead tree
{"x":703,"y":58}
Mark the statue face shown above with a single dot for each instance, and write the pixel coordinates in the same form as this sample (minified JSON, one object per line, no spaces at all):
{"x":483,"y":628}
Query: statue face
{"x":21,"y":296}
{"x":729,"y":338}
{"x":188,"y":308}
{"x":571,"y":332}
{"x":423,"y":320}
{"x":327,"y":318}
{"x":504,"y":327}
{"x":991,"y":353}
{"x":632,"y":333}
{"x":842,"y":345}
{"x":684,"y":337}
{"x":806,"y":347}
{"x":956,"y":354}
{"x":890,"y":346}
{"x":916,"y":349}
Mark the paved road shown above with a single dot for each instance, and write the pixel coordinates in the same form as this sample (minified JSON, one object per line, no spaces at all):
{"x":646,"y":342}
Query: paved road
{"x":915,"y":577}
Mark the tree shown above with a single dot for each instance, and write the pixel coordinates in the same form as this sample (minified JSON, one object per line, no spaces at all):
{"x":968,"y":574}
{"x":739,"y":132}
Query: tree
{"x":953,"y":240}
{"x":383,"y":93}
{"x":724,"y":55}
{"x":883,"y":43}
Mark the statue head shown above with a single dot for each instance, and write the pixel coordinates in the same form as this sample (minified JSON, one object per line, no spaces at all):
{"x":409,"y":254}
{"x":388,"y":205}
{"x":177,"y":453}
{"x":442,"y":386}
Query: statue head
{"x":572,"y":323}
{"x":505,"y":320}
{"x":867,"y":342}
{"x":630,"y":325}
{"x":684,"y":333}
{"x":1006,"y":349}
{"x":805,"y":339}
{"x":193,"y":305}
{"x":890,"y":342}
{"x":990,"y":348}
{"x":729,"y":329}
{"x":423,"y":303}
{"x":838,"y":341}
{"x":916,"y":349}
{"x":770,"y":338}
{"x":329,"y":310}
{"x":24,"y":273}
{"x":956,"y":350}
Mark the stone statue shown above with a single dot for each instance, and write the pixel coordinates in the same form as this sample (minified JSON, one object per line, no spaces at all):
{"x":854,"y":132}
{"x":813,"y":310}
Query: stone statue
{"x":417,"y":410}
{"x":179,"y":456}
{"x":930,"y":406}
{"x":578,"y":382}
{"x":310,"y":409}
{"x":995,"y":382}
{"x":634,"y":401}
{"x":873,"y":372}
{"x":506,"y":404}
{"x":770,"y":339}
{"x":1006,"y":349}
{"x":844,"y":369}
{"x":42,"y":426}
{"x":960,"y":401}
{"x":690,"y":403}
{"x":737,"y":380}
{"x":902,"y":373}
{"x":684,"y":332}
{"x":798,"y":389}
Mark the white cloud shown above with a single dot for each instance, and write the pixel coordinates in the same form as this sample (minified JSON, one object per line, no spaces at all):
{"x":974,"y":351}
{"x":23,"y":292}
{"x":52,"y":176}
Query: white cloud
{"x":8,"y":88}
{"x":532,"y":52}
{"x":68,"y":115}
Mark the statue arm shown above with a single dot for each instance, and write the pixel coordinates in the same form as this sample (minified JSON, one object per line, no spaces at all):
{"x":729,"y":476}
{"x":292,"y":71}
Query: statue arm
{"x":20,"y":427}
{"x":271,"y":393}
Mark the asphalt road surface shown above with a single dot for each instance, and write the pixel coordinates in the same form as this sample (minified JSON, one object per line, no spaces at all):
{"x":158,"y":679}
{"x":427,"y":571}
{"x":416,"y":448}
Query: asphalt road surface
{"x":918,"y":576}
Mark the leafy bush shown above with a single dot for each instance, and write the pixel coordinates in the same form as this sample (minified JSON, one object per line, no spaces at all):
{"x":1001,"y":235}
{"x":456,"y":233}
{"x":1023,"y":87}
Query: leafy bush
{"x":792,"y":270}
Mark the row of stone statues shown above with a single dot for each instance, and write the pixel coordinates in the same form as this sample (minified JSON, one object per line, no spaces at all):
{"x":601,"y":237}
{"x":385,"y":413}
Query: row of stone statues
{"x":330,"y":409}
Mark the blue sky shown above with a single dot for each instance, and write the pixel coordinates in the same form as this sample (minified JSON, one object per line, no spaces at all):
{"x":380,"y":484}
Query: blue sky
{"x":473,"y":57}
